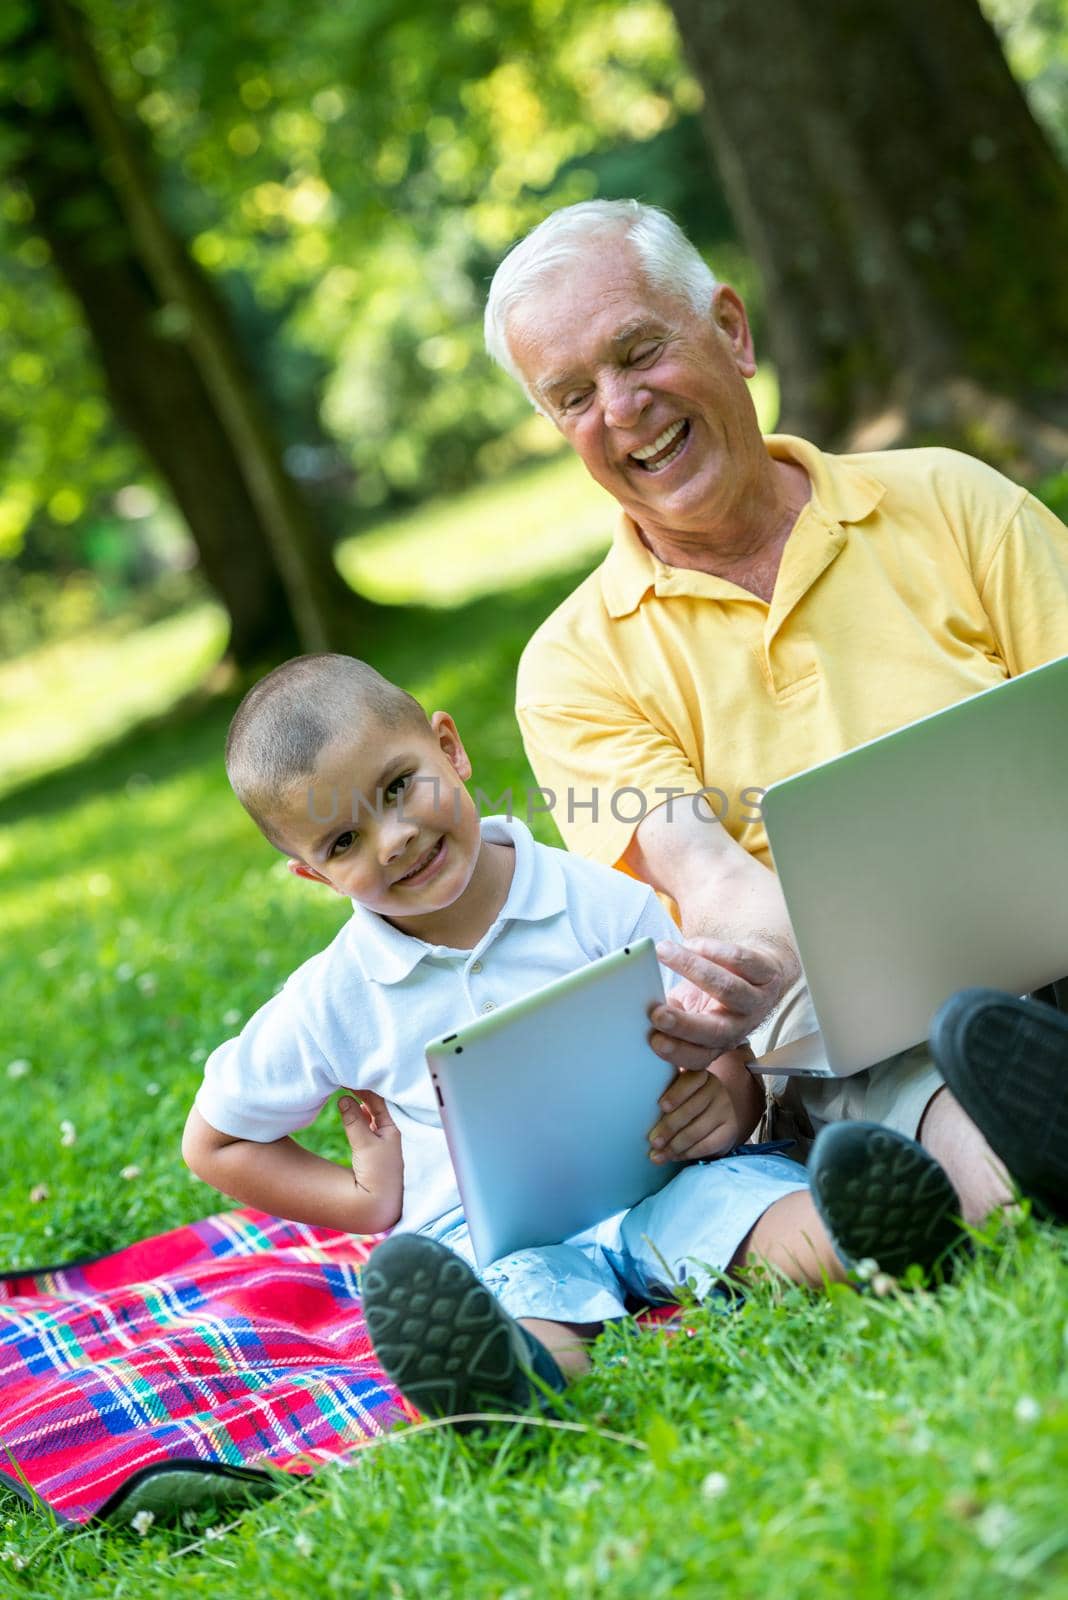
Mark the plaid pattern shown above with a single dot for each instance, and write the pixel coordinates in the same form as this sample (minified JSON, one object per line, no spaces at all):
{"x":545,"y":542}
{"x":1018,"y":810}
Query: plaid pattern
{"x":234,"y":1343}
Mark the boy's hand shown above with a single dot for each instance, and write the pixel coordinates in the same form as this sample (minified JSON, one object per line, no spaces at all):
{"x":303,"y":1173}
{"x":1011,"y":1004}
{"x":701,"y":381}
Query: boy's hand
{"x":375,"y":1142}
{"x":699,"y":1119}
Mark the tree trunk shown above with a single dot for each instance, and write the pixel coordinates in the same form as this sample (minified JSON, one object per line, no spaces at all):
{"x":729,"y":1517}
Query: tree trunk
{"x":154,"y":386}
{"x":908,"y":216}
{"x":163,"y":353}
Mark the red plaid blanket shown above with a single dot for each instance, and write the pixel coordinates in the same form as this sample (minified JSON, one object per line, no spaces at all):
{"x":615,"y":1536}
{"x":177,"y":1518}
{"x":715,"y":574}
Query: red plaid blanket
{"x":223,"y":1348}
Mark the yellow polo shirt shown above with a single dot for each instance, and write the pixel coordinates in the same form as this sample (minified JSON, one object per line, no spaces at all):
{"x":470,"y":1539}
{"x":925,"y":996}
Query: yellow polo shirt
{"x":912,"y":579}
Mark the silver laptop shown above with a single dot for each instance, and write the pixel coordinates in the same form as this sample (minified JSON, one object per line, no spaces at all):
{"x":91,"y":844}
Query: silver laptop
{"x":547,"y":1104}
{"x":929,"y":860}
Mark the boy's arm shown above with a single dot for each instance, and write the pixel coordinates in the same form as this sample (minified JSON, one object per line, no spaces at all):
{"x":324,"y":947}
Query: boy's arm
{"x":283,"y":1178}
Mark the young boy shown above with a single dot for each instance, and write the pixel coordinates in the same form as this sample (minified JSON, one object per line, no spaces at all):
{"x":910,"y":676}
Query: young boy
{"x":451,"y":916}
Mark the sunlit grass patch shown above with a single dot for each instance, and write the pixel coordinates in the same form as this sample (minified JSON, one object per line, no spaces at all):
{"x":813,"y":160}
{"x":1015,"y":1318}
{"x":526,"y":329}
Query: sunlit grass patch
{"x":64,"y":699}
{"x":543,"y":519}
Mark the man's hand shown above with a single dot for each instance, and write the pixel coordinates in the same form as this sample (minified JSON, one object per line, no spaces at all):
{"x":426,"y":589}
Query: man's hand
{"x":375,"y":1142}
{"x":727,"y":991}
{"x":699,"y":1119}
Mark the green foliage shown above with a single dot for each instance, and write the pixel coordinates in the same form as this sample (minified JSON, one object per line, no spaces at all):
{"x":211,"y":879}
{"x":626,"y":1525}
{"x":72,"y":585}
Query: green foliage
{"x":350,"y":177}
{"x":1034,"y":34}
{"x":60,"y":448}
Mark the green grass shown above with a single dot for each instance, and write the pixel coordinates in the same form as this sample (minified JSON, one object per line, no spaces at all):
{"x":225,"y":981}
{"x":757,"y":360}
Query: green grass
{"x":805,"y":1447}
{"x":507,"y":533}
{"x":63,"y":700}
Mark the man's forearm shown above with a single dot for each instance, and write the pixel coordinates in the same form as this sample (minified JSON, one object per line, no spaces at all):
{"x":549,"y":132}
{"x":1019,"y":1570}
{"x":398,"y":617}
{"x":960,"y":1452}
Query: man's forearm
{"x":288,"y":1181}
{"x":743,"y":904}
{"x":721,"y":891}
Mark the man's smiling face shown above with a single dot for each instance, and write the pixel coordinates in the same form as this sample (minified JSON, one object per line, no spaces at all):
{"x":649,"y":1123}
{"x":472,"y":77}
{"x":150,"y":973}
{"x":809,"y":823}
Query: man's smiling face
{"x":650,"y":392}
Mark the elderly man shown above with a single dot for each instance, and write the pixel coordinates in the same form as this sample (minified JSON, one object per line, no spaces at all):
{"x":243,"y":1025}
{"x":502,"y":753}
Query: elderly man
{"x":764,"y":607}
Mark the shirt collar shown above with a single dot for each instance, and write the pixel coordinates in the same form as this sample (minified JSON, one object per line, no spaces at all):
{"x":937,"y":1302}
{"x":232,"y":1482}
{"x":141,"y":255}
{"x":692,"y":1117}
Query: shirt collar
{"x":842,"y":492}
{"x":537,"y":891}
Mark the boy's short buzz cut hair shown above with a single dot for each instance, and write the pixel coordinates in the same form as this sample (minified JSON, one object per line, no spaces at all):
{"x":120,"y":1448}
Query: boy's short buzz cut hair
{"x":287,"y":718}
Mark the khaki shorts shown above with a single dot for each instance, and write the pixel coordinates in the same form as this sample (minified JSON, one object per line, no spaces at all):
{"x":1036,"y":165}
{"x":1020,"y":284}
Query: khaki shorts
{"x":895,"y":1092}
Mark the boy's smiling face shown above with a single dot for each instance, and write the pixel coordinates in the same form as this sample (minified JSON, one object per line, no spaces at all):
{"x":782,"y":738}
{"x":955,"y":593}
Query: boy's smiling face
{"x":385,"y":820}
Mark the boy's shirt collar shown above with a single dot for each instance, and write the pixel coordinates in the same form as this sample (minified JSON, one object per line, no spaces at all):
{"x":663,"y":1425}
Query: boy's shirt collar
{"x":537,"y":891}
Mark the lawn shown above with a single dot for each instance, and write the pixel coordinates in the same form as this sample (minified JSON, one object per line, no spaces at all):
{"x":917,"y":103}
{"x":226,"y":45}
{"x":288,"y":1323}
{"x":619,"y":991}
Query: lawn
{"x":911,"y":1445}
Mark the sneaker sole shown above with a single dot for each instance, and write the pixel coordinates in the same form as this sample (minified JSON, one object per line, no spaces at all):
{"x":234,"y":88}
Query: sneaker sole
{"x":882,"y":1197}
{"x":439,"y":1335}
{"x":1006,"y":1062}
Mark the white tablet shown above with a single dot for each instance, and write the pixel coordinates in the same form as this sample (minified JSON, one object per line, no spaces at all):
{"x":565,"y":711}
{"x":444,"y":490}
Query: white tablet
{"x":547,"y":1104}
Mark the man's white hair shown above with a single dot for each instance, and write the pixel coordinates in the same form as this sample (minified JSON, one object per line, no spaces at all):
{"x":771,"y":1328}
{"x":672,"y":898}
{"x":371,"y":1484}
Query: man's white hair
{"x":666,"y":257}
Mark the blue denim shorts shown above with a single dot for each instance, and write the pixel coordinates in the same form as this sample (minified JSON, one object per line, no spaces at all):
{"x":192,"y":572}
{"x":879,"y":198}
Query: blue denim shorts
{"x":688,"y":1232}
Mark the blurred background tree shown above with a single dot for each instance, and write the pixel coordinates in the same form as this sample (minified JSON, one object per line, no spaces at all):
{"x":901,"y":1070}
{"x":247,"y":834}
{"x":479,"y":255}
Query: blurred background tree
{"x":167,"y":351}
{"x":332,"y":188}
{"x":908,"y":215}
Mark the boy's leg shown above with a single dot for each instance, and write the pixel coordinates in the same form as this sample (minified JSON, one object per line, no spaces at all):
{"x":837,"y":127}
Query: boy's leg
{"x":451,"y":1346}
{"x":875,"y":1195}
{"x":791,"y":1237}
{"x":869,"y":1193}
{"x":565,"y":1341}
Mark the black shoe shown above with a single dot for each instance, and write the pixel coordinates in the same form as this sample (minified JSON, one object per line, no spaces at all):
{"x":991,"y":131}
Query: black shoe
{"x":442,"y":1337}
{"x":1006,"y":1062}
{"x":883,"y":1198}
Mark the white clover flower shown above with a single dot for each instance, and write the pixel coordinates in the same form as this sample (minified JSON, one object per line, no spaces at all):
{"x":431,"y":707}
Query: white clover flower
{"x":125,"y":971}
{"x":197,"y":1054}
{"x":130,"y":1173}
{"x":883,"y":1284}
{"x":1027,"y":1409}
{"x":142,"y":1522}
{"x":303,"y":1543}
{"x":994,"y":1525}
{"x":18,"y":1069}
{"x":214,"y":1533}
{"x":865,"y":1269}
{"x":39,"y":1192}
{"x":68,"y":1133}
{"x":714,"y":1484}
{"x":232,"y":1017}
{"x":152,"y":1090}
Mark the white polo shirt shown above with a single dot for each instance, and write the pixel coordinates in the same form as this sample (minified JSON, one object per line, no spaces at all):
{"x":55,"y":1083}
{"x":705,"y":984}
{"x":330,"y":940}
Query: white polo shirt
{"x":359,"y":1014}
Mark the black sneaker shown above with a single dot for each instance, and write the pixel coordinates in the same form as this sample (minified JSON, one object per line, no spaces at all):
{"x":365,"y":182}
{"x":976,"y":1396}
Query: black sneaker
{"x":442,"y":1337}
{"x":1006,"y":1062}
{"x":883,"y":1198}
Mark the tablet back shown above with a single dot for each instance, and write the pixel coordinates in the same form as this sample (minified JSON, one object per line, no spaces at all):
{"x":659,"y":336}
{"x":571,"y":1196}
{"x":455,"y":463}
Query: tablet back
{"x":547,"y":1104}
